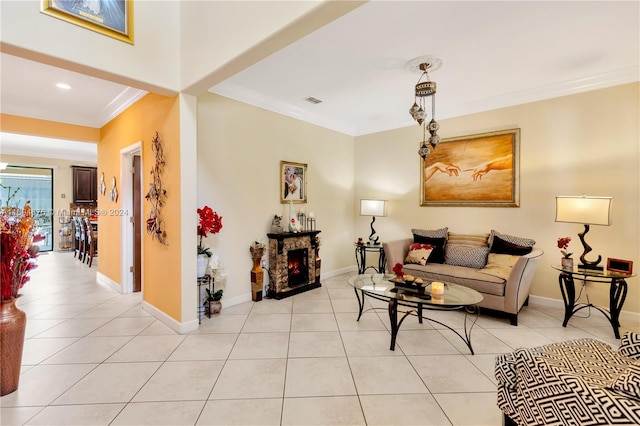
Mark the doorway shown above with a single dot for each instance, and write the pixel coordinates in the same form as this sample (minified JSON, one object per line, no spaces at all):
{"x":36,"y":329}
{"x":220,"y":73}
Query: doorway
{"x":131,"y":249}
{"x":20,"y":184}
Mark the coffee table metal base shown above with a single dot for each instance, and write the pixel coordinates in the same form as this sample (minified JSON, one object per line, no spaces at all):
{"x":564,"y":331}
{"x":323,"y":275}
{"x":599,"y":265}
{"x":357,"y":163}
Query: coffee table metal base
{"x":418,"y":312}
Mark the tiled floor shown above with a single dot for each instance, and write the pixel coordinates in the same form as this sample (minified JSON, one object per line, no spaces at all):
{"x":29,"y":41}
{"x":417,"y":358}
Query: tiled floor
{"x":93,"y":356}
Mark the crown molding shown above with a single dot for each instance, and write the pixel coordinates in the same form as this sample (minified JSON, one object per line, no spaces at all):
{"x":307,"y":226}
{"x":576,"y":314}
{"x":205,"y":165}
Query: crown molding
{"x":402,"y":119}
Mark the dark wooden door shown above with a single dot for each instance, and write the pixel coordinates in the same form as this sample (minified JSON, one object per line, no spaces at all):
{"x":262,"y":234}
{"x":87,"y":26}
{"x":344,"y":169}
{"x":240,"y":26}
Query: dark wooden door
{"x":137,"y":225}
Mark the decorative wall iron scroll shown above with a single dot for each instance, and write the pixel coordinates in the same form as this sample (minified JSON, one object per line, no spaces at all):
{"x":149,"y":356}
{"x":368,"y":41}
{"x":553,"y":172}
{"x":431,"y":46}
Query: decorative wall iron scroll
{"x":157,"y":195}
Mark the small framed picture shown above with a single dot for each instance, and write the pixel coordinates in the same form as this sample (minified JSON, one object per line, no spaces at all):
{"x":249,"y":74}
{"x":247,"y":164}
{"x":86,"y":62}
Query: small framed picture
{"x":293,"y":182}
{"x":620,"y":265}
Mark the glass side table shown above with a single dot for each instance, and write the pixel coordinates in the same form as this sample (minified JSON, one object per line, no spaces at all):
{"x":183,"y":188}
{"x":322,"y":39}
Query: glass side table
{"x":617,"y":292}
{"x":361,"y":257}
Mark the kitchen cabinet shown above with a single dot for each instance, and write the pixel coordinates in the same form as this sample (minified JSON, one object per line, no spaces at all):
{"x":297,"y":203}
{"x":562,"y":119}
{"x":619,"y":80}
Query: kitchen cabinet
{"x":85,"y":185}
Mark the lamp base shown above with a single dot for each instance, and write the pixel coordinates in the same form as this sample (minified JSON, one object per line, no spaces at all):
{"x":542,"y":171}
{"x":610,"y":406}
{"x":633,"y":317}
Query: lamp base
{"x":590,"y":267}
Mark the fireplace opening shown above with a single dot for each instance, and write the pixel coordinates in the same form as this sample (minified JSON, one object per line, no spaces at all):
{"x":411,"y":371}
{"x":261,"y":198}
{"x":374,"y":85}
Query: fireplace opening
{"x":298,"y":266}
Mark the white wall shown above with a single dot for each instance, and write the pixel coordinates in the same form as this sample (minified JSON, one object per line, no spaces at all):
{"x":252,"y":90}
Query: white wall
{"x":152,"y":61}
{"x":221,"y":38}
{"x":585,"y":143}
{"x":239,"y":152}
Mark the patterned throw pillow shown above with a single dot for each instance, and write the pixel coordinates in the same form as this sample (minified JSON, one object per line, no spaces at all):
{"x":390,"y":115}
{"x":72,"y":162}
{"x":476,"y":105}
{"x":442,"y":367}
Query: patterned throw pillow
{"x":475,"y":240}
{"x":630,"y":345}
{"x":469,"y":256}
{"x":437,"y":238}
{"x":419,"y":253}
{"x":431,"y":233}
{"x":508,"y":244}
{"x":628,"y":382}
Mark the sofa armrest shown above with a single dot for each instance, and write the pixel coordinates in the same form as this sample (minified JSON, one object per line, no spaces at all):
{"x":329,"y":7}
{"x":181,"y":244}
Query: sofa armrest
{"x":395,"y":252}
{"x":519,"y":282}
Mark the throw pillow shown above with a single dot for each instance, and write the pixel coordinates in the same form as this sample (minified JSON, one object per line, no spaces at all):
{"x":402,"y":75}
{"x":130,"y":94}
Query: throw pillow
{"x":630,"y":345}
{"x":519,"y":241}
{"x":628,"y":382}
{"x":501,"y":246}
{"x":469,"y":256}
{"x":499,"y":265}
{"x":419,"y":253}
{"x":438,"y":244}
{"x":431,"y":233}
{"x":475,"y":240}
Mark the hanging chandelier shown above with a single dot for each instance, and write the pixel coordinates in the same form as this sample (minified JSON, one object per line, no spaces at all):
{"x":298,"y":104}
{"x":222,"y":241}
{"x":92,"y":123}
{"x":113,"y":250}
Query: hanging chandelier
{"x":425,"y":88}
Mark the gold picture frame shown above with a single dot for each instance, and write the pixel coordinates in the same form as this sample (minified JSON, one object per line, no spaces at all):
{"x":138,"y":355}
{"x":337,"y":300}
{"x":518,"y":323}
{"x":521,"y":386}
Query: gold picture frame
{"x":293,"y":182}
{"x":113,"y":18}
{"x":481,"y":170}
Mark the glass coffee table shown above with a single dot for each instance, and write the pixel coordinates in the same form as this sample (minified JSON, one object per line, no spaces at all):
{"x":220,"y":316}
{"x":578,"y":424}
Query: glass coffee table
{"x":455,"y":297}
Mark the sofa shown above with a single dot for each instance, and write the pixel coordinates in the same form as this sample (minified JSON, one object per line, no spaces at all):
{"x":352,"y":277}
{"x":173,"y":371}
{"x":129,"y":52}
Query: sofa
{"x":578,"y":382}
{"x":499,"y":266}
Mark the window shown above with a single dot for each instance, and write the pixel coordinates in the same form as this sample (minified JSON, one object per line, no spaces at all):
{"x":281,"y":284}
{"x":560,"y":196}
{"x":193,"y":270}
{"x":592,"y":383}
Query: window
{"x":20,"y":184}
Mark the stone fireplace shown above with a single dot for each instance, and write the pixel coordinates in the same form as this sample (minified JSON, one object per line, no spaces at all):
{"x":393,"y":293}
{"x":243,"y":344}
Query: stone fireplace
{"x":294,"y":263}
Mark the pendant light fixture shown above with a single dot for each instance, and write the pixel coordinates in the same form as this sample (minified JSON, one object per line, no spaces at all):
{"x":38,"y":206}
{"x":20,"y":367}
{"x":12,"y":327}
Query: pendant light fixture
{"x":425,"y":89}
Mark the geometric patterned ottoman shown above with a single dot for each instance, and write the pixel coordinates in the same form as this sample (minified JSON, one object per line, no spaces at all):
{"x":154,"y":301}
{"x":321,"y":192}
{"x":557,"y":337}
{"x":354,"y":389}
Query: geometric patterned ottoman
{"x":578,"y":382}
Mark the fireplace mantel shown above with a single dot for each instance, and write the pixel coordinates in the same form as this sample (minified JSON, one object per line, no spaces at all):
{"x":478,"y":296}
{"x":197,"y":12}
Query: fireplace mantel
{"x":279,"y":247}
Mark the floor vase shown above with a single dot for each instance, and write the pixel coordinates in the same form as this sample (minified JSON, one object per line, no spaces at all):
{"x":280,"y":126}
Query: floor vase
{"x":13,"y":322}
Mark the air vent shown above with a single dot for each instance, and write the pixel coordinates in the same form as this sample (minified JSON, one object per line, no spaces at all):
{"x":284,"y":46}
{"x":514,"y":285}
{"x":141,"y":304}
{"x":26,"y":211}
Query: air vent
{"x":313,"y":100}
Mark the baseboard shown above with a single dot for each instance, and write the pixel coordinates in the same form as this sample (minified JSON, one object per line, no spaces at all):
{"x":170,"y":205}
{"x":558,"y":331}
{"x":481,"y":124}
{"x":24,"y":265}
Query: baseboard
{"x":559,"y":304}
{"x":179,"y":327}
{"x":337,"y":272}
{"x":108,"y":282}
{"x":232,"y":301}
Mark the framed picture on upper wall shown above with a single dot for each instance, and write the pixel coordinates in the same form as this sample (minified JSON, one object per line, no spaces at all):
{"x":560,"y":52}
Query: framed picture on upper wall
{"x":113,"y":18}
{"x":293,"y":182}
{"x":481,"y":170}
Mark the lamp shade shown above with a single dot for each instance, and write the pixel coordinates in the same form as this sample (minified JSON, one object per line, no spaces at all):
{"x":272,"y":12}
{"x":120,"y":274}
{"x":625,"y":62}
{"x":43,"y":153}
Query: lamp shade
{"x":584,"y":209}
{"x":373,"y":207}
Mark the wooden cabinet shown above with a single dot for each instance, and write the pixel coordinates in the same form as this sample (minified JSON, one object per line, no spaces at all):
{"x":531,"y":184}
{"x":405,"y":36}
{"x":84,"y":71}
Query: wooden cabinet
{"x":85,"y":184}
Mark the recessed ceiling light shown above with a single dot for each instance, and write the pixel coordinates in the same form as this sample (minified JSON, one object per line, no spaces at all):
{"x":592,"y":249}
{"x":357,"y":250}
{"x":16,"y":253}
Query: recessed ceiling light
{"x":63,"y":86}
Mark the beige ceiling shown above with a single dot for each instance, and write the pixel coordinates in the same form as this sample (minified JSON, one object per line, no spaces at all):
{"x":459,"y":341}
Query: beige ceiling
{"x":494,"y":54}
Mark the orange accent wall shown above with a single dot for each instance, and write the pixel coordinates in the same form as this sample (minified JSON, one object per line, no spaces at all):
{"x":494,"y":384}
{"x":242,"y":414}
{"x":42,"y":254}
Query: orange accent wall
{"x":161,"y":284}
{"x":49,"y":129}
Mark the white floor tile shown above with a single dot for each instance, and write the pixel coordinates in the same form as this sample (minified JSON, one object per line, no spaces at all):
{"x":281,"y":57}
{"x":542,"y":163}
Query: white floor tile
{"x":159,"y":413}
{"x":385,"y":410}
{"x":80,"y":415}
{"x":110,"y":383}
{"x":325,"y":411}
{"x":94,"y":356}
{"x":241,"y":379}
{"x":318,"y":377}
{"x":264,"y":412}
{"x":181,"y":381}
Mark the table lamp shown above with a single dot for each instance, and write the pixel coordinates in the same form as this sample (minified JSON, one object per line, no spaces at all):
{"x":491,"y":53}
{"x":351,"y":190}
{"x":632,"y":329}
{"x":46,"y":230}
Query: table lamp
{"x":587,"y":210}
{"x":373,"y":208}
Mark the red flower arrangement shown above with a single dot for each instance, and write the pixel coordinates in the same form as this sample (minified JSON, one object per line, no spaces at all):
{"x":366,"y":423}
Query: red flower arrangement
{"x":397,"y":269}
{"x":210,"y":222}
{"x":17,"y":252}
{"x":563,"y":244}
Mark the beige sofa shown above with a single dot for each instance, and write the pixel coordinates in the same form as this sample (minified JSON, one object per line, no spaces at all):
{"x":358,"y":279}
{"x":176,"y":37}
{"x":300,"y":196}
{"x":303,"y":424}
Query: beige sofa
{"x":505,"y":288}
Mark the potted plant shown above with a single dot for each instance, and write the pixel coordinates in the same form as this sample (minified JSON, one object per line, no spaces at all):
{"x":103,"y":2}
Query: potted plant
{"x":18,"y":258}
{"x":563,"y":244}
{"x":212,"y":304}
{"x":209,"y":222}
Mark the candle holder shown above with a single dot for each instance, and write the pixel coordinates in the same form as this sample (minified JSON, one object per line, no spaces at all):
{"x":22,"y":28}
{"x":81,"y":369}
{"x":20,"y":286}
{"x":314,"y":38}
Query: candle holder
{"x":437,"y":288}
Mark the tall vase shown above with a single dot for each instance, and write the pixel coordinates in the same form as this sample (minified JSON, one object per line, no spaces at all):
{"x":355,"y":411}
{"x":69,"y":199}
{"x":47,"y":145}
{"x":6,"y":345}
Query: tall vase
{"x":13,"y":322}
{"x":257,"y":279}
{"x":203,"y":261}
